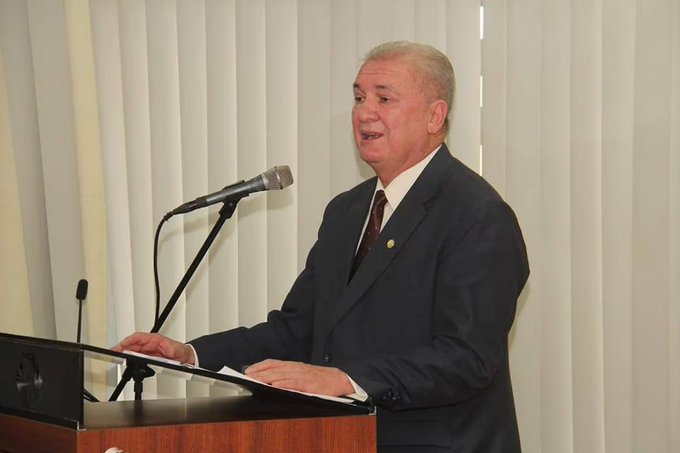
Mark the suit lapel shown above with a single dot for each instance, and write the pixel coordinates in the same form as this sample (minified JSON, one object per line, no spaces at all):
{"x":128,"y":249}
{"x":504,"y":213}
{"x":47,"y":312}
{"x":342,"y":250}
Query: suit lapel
{"x":346,"y":235}
{"x":397,"y":231}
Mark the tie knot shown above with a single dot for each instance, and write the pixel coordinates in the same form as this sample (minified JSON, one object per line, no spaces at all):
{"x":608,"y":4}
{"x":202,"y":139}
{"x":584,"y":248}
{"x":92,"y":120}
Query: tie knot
{"x":379,"y":200}
{"x":372,"y":230}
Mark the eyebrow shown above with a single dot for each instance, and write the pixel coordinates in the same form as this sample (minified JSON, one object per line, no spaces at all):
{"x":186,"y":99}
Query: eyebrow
{"x":377,"y":87}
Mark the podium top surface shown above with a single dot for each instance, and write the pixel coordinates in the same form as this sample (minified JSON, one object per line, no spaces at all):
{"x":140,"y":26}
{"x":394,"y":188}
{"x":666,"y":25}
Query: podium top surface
{"x":125,"y":414}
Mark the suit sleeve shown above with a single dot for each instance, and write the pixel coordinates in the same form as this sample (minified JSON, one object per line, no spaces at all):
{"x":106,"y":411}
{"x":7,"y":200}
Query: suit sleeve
{"x":286,"y":335}
{"x":480,"y":274}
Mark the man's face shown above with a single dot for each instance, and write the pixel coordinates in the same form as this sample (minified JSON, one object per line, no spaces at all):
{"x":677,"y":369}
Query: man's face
{"x":390,"y":117}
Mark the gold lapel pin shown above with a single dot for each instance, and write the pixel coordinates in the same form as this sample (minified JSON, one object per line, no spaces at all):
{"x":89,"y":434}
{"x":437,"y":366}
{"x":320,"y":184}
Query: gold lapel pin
{"x":390,"y":243}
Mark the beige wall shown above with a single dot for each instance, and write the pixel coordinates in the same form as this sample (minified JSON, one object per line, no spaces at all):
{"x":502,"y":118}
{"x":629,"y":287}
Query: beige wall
{"x":114,"y":112}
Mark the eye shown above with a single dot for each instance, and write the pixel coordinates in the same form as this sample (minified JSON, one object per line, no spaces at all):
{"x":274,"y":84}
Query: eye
{"x":358,"y":99}
{"x":384,"y":99}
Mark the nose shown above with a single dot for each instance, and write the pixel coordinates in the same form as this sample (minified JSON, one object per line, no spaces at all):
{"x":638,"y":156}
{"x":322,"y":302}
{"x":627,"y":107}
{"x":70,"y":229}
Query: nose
{"x":365,"y":111}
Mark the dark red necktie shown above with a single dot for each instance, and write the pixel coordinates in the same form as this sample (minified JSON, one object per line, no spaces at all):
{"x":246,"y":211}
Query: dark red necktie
{"x":372,"y":229}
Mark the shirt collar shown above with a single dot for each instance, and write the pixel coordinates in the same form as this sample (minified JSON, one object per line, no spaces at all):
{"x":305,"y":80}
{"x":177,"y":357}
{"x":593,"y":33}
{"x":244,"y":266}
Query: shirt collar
{"x":399,"y":187}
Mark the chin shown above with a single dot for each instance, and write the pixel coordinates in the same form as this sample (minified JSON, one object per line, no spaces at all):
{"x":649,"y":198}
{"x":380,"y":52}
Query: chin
{"x":369,"y":156}
{"x":371,"y":149}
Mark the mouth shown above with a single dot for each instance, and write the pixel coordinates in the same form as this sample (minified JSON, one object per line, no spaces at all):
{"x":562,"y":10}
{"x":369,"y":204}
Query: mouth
{"x":367,"y":136}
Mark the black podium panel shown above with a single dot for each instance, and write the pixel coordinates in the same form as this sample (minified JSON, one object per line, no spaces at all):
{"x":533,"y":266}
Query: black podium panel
{"x":42,"y":380}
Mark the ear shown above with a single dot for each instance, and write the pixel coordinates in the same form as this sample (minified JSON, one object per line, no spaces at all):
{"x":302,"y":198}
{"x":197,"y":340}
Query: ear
{"x":438,"y":112}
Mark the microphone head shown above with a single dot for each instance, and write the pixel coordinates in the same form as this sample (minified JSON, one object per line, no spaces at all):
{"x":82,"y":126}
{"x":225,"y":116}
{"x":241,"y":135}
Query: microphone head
{"x":81,"y":291}
{"x":277,"y":178}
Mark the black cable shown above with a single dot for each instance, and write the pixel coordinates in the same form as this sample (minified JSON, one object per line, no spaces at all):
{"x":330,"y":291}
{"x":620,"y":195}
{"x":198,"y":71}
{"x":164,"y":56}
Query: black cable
{"x":138,"y":373}
{"x":155,"y":266}
{"x":89,"y":396}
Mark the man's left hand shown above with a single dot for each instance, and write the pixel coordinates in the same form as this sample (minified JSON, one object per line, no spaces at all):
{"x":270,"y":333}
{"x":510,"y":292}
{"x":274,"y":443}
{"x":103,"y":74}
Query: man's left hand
{"x":301,"y":377}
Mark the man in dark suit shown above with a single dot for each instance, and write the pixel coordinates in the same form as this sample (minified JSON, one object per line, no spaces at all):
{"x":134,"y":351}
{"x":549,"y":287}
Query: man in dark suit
{"x":410,"y":291}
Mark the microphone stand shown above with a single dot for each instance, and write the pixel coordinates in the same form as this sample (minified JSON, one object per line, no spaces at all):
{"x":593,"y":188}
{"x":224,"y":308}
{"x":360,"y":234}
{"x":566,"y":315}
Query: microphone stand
{"x":138,"y":370}
{"x":81,"y":294}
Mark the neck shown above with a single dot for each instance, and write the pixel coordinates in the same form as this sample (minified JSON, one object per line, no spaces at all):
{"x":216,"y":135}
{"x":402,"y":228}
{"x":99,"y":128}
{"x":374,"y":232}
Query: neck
{"x":387,"y":175}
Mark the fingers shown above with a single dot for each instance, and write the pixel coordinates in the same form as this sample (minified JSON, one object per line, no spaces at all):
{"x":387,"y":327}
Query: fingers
{"x":270,"y":371}
{"x":131,"y":342}
{"x":156,"y":345}
{"x":265,"y":365}
{"x":301,"y":376}
{"x":278,"y":374}
{"x":273,"y":371}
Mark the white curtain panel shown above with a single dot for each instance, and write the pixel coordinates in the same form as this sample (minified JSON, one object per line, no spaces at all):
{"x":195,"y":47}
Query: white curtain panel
{"x":113,"y":112}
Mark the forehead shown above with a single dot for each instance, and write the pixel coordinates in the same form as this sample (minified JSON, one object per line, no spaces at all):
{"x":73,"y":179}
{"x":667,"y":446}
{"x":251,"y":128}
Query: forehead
{"x":385,"y":73}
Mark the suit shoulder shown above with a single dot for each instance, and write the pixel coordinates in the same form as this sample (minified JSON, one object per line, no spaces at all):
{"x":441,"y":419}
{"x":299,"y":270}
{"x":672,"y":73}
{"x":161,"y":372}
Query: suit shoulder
{"x":467,"y":186}
{"x":344,"y":200}
{"x":466,"y":200}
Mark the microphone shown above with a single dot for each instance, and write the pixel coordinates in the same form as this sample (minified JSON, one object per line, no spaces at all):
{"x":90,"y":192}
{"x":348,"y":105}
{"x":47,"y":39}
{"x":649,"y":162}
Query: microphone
{"x":276,"y":178}
{"x":81,"y":294}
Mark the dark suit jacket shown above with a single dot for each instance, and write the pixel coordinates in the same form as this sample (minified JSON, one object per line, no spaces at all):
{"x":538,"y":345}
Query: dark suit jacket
{"x":422,"y":326}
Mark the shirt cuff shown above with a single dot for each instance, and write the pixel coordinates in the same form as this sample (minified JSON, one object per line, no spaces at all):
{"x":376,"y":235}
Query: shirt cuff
{"x":359,"y":393}
{"x":195,"y":355}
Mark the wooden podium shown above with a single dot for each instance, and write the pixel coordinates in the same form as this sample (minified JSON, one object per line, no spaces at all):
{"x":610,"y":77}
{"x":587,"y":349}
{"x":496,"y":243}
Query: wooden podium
{"x":269,"y":421}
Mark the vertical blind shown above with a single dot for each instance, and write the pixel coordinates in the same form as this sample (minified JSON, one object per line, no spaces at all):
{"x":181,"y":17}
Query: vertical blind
{"x":113,"y":112}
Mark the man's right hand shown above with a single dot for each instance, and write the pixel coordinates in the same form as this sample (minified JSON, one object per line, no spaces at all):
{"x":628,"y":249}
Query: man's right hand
{"x":157,"y":345}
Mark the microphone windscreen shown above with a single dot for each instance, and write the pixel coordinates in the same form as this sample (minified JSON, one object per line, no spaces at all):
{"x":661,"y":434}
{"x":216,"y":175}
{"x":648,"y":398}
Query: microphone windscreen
{"x":81,"y":291}
{"x":277,"y":178}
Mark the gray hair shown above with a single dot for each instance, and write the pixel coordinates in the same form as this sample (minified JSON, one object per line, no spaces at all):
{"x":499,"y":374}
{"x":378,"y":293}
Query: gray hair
{"x":429,"y":63}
